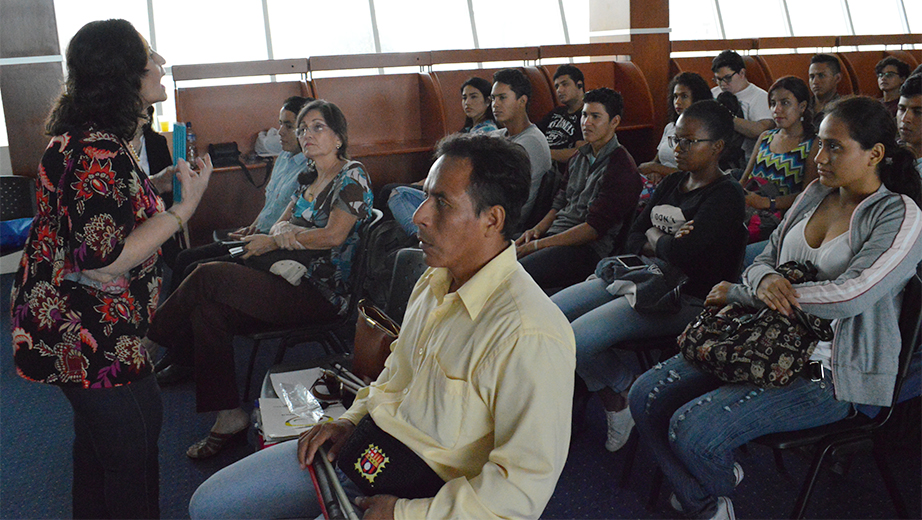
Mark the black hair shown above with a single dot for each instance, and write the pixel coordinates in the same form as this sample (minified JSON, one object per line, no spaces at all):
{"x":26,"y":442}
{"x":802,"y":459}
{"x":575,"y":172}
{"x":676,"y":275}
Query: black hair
{"x":516,"y":80}
{"x":575,"y":74}
{"x":106,"y":61}
{"x":484,"y":87}
{"x":912,"y":86}
{"x":802,"y":93}
{"x":902,"y":68}
{"x":730,"y":59}
{"x":610,"y":99}
{"x":717,"y":121}
{"x":828,"y":59}
{"x":294,"y":104}
{"x":334,"y":118}
{"x":500,"y":173}
{"x":699,"y":89}
{"x":732,"y":156}
{"x":869,"y":123}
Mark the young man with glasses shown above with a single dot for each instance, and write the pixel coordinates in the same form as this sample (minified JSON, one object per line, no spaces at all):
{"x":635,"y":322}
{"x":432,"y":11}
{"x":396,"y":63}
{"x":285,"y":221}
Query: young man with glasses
{"x":891,"y":73}
{"x":730,"y":76}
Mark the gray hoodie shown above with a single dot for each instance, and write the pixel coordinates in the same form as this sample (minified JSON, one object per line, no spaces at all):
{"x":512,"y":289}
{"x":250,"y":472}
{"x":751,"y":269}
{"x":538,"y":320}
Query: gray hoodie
{"x":885,"y":237}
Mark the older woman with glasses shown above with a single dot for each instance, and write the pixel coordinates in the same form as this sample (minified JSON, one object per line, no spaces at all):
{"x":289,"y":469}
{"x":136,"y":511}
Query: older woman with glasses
{"x":221,"y":299}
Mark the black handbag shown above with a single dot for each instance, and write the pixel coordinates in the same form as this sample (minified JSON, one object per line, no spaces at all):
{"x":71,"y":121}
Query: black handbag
{"x":379,"y":464}
{"x":224,"y":155}
{"x":740,"y":344}
{"x":651,"y":289}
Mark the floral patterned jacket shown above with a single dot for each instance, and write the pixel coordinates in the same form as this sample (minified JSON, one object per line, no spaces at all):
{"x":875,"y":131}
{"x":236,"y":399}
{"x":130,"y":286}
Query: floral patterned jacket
{"x":67,"y":331}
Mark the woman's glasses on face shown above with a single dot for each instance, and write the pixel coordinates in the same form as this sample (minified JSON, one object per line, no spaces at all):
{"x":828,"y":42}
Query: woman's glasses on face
{"x":314,"y":128}
{"x":683,"y":142}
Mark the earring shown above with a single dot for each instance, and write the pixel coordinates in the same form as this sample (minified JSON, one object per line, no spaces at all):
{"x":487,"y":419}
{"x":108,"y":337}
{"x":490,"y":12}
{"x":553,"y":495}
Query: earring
{"x":339,"y":145}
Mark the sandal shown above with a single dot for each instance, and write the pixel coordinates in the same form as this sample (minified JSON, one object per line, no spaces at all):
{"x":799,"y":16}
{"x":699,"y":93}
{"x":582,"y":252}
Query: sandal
{"x":214,"y":443}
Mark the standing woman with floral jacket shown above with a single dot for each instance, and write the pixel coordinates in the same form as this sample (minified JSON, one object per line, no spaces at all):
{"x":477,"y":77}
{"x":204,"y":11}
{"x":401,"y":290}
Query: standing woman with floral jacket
{"x":89,"y":278}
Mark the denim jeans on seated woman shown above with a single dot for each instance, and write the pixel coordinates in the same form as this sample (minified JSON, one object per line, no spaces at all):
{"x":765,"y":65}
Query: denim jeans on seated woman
{"x":403,"y":203}
{"x":600,"y":321}
{"x":268,"y":484}
{"x":693,"y":421}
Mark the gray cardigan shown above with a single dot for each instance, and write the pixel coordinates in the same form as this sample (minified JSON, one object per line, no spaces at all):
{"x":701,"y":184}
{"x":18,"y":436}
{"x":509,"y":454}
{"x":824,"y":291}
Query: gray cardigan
{"x":885,"y":236}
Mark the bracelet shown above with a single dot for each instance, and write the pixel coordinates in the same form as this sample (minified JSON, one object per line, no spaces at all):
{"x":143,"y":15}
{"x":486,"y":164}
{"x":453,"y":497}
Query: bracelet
{"x":535,"y":242}
{"x":177,"y":217}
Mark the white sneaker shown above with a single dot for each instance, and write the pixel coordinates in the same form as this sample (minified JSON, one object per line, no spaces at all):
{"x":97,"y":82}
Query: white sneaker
{"x":724,"y":509}
{"x":620,"y":425}
{"x":737,"y":472}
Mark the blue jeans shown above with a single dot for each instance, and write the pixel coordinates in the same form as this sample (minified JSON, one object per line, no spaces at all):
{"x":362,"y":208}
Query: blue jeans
{"x":116,"y":470}
{"x":600,"y":320}
{"x":692,"y":422}
{"x":752,"y":251}
{"x":403,"y":203}
{"x":268,"y":484}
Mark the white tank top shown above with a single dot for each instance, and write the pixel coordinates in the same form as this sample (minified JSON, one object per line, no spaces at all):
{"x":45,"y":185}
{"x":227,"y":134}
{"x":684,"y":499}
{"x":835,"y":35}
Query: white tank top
{"x":831,"y":259}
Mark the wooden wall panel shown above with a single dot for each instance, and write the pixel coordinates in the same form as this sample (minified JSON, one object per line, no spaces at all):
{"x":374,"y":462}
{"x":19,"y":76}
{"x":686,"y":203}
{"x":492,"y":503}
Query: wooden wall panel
{"x":27,"y":29}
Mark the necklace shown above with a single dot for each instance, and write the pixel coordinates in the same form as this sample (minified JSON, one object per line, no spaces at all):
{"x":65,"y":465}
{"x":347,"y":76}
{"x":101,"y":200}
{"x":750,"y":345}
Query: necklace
{"x":320,"y":183}
{"x":134,"y":153}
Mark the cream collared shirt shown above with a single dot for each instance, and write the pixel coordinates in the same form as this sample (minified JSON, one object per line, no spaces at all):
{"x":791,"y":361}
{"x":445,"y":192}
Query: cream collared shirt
{"x":480,"y":385}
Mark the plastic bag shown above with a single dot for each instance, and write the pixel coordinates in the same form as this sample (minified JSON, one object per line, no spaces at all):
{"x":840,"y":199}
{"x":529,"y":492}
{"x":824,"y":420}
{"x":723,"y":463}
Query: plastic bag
{"x":268,"y":143}
{"x":301,"y":402}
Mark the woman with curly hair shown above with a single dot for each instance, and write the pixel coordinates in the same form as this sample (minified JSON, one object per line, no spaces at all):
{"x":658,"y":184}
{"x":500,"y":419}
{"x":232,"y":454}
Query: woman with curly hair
{"x":89,"y":278}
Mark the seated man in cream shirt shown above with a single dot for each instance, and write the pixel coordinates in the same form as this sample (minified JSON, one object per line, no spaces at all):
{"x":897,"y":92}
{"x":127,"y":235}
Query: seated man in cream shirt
{"x":465,"y":387}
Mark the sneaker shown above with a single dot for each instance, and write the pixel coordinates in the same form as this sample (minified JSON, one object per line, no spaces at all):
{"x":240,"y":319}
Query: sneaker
{"x":737,"y":472}
{"x":724,"y":509}
{"x":620,"y":425}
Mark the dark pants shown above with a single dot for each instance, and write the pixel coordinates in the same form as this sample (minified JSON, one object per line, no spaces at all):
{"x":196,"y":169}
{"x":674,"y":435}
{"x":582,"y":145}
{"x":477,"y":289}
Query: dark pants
{"x":188,"y":259}
{"x":218,"y":301}
{"x":116,"y":471}
{"x":560,"y":266}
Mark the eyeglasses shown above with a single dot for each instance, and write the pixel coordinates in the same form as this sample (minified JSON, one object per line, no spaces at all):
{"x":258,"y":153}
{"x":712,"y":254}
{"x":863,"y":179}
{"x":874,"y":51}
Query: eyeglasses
{"x":677,"y":142}
{"x":724,"y":79}
{"x":883,"y":75}
{"x":314,"y":129}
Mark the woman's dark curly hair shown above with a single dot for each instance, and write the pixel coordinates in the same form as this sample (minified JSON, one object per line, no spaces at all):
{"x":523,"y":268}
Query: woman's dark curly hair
{"x":105,"y":63}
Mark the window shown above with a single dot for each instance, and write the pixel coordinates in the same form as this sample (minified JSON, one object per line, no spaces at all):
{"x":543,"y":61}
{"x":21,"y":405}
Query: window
{"x":876,"y":16}
{"x":518,"y":23}
{"x":577,"y":14}
{"x":71,"y":16}
{"x":416,"y":25}
{"x":817,"y":17}
{"x":693,"y":20}
{"x":209,"y":32}
{"x":914,"y":15}
{"x":301,"y":29}
{"x":749,"y":19}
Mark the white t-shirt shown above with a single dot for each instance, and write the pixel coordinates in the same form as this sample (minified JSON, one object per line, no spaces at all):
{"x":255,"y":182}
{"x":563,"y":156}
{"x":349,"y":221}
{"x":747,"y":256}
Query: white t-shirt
{"x":754,"y":102}
{"x":664,"y":152}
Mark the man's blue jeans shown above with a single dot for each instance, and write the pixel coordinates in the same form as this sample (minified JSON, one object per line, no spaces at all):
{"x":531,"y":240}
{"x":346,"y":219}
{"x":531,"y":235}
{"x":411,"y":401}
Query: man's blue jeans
{"x":692,"y":421}
{"x":116,"y":470}
{"x":268,"y":484}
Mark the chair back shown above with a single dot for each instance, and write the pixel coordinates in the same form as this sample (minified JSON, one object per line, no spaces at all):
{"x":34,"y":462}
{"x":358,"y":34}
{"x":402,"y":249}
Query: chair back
{"x":408,"y":267}
{"x":360,"y":268}
{"x":17,"y":197}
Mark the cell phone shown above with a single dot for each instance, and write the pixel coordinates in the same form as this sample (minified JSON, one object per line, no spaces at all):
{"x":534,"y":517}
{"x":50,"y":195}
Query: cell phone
{"x":233,"y":243}
{"x":630,"y":261}
{"x":236,"y":251}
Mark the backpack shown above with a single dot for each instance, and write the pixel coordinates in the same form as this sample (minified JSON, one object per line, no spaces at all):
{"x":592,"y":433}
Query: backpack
{"x":383,"y":243}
